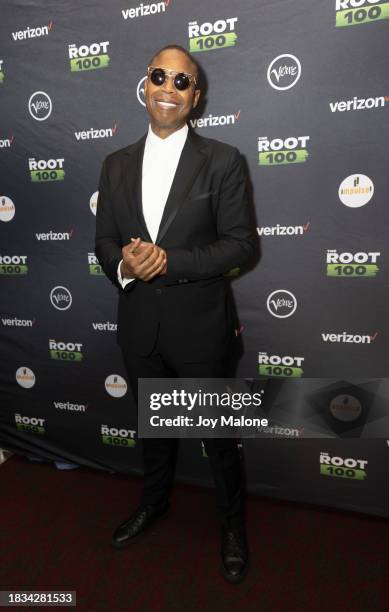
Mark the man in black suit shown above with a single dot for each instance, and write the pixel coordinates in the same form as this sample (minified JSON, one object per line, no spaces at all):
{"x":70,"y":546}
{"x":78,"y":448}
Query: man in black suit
{"x":172,"y":220}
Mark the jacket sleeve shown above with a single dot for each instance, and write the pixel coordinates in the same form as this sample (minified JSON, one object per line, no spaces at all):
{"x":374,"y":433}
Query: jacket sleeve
{"x":237,"y":241}
{"x":108,"y":241}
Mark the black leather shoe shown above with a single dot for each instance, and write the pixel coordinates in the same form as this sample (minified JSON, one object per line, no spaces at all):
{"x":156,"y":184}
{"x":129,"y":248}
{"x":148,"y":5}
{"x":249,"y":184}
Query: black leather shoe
{"x":133,"y":529}
{"x":235,"y":555}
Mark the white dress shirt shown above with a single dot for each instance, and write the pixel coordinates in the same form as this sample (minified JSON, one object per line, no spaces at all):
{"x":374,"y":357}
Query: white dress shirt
{"x":160,"y":161}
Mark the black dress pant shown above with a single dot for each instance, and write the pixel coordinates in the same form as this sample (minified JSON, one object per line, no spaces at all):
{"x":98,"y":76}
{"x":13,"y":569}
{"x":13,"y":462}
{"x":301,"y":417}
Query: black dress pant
{"x":160,"y":454}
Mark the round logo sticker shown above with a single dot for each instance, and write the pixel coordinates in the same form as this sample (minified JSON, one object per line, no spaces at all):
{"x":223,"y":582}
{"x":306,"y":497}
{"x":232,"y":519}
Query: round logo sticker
{"x":61,"y":298}
{"x":356,"y":190}
{"x":284,"y":71}
{"x":115,"y":385}
{"x":25,"y":377}
{"x":7,"y":209}
{"x":93,"y":202}
{"x":281,"y":303}
{"x":345,"y":408}
{"x":40,"y":105}
{"x":140,"y":91}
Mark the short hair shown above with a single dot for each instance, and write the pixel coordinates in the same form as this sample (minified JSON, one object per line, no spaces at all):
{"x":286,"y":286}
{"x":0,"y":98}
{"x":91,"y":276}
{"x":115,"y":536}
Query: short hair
{"x":184,"y":51}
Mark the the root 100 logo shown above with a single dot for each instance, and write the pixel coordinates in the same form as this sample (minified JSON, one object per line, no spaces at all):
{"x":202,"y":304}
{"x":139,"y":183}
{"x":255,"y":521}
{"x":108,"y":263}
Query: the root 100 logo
{"x":356,"y":12}
{"x":88,"y":57}
{"x":31,"y":424}
{"x":94,"y":267}
{"x":65,"y":351}
{"x":118,"y":437}
{"x":210,"y":36}
{"x":356,"y":469}
{"x":352,"y":264}
{"x":283,"y":366}
{"x":42,"y":170}
{"x":13,"y":265}
{"x":290,"y":150}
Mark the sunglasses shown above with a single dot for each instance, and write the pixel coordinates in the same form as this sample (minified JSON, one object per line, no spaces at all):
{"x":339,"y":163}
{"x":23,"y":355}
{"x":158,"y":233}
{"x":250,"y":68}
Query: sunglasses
{"x":182,"y":80}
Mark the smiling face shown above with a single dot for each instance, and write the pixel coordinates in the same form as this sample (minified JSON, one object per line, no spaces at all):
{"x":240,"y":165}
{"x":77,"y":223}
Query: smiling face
{"x":168,"y":107}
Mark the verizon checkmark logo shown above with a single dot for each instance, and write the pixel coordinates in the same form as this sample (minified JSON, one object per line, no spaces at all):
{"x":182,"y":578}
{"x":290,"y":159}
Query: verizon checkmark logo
{"x":283,"y":230}
{"x":347,"y":338}
{"x":215,"y":120}
{"x":94,"y":133}
{"x":35,"y":32}
{"x":144,"y":10}
{"x":6,"y":142}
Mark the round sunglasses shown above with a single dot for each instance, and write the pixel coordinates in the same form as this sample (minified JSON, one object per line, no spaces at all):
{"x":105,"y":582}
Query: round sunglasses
{"x":182,"y":80}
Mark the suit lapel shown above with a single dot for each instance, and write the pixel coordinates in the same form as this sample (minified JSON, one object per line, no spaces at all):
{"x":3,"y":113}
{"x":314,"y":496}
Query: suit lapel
{"x":133,"y":182}
{"x":191,"y":161}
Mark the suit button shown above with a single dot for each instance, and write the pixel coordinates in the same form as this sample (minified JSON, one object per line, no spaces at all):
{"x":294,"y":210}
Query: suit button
{"x":158,"y":291}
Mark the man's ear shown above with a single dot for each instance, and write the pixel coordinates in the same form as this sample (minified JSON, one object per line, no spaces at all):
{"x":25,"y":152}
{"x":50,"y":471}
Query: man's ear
{"x":196,"y":97}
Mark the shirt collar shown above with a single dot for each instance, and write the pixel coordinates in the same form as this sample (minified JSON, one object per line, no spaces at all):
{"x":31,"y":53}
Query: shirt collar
{"x":177,"y":139}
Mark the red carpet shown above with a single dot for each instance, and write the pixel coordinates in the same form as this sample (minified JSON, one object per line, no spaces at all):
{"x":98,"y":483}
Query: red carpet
{"x":56,"y":528}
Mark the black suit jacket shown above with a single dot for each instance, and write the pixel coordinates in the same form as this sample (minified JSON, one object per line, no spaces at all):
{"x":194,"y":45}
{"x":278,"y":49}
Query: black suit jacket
{"x":206,"y":230}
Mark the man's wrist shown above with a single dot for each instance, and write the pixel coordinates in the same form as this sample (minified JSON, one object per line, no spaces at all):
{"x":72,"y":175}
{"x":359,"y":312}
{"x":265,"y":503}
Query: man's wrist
{"x":123,"y":282}
{"x":124,"y":272}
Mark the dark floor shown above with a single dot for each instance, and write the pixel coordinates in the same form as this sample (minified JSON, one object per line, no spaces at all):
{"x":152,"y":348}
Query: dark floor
{"x":55,"y":534}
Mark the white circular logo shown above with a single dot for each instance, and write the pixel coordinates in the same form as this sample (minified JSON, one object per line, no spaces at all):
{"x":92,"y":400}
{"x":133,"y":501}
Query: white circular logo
{"x":40,"y":105}
{"x":345,"y":408}
{"x":25,"y":377}
{"x":93,"y":202}
{"x":284,"y":71}
{"x":7,"y":209}
{"x":115,"y":385}
{"x":61,"y":298}
{"x":281,"y":303}
{"x":356,"y":190}
{"x":140,"y":91}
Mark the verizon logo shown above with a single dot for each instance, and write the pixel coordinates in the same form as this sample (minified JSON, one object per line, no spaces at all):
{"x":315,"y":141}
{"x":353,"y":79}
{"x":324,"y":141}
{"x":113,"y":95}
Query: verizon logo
{"x":15,"y":322}
{"x":93,"y":133}
{"x":33,"y":32}
{"x":358,"y":104}
{"x":104,"y":326}
{"x":6,"y":142}
{"x":350,"y":338}
{"x":215,"y":120}
{"x":143,"y":10}
{"x":283,"y":230}
{"x":54,"y":235}
{"x":70,"y":406}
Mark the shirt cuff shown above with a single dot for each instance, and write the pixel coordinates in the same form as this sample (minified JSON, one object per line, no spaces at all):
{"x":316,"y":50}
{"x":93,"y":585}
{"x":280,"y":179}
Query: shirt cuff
{"x":123,"y":282}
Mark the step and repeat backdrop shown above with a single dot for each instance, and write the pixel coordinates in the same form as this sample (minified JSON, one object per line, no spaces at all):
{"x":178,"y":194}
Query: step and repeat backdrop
{"x":301,"y":88}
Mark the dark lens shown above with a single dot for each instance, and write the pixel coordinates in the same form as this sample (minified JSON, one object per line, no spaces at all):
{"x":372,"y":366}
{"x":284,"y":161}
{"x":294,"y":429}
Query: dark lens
{"x":157,"y":76}
{"x":181,"y":81}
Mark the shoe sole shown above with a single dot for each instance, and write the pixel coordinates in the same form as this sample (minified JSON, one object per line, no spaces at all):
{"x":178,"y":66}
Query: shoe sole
{"x":126,"y":543}
{"x":234,"y":579}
